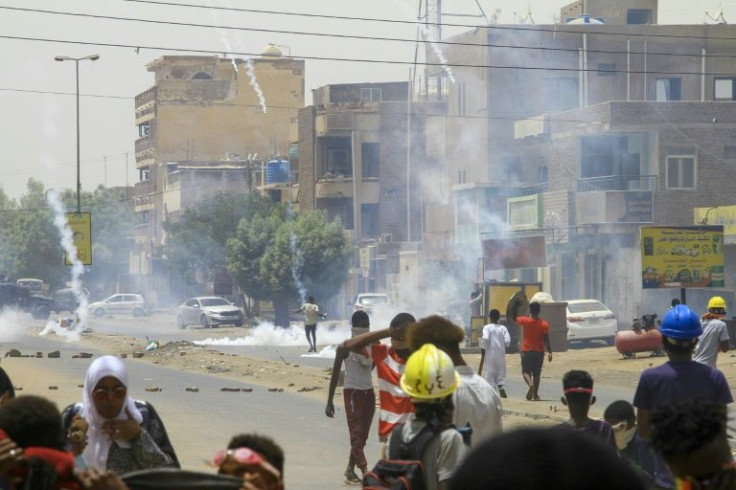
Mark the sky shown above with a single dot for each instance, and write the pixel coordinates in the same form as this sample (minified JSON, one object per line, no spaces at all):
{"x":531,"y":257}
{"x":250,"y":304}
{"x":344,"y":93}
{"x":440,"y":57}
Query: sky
{"x":37,"y":94}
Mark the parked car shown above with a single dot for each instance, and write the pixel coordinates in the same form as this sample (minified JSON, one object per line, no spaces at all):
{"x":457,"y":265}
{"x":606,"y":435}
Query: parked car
{"x":14,"y":296}
{"x":35,"y":285}
{"x":119,"y":304}
{"x":368,"y":302}
{"x":209,"y":311}
{"x":589,"y":319}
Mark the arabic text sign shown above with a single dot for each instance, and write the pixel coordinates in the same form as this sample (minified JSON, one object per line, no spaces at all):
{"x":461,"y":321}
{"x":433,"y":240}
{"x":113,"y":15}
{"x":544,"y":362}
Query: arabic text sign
{"x":682,"y":257}
{"x":514,"y":253}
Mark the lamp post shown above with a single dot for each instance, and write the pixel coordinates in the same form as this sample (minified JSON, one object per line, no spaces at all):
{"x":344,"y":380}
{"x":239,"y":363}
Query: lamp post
{"x":92,"y":57}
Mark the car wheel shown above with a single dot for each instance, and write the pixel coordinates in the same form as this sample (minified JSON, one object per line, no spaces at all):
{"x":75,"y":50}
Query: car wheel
{"x":611,"y":340}
{"x":100,"y":312}
{"x":238,"y":324}
{"x":205,"y":321}
{"x":42,"y":313}
{"x":180,"y":322}
{"x":138,"y":312}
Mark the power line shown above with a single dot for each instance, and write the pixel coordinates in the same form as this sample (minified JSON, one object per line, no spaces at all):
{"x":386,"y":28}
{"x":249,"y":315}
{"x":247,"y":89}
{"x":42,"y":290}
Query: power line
{"x":555,"y":29}
{"x":367,"y":38}
{"x":363,"y":60}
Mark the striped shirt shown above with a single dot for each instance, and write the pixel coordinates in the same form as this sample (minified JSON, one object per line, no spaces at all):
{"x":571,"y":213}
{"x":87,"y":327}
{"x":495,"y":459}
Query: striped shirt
{"x":395,"y":405}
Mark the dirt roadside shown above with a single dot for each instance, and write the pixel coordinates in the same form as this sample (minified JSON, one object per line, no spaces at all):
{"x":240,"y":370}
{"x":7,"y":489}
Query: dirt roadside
{"x":604,"y":363}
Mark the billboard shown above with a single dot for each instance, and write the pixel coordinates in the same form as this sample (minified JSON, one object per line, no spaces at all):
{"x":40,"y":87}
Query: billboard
{"x":514,"y":253}
{"x":81,"y":226}
{"x":682,"y":257}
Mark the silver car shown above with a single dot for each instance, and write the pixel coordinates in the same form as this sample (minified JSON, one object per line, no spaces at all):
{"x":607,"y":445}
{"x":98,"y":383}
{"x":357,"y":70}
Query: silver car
{"x":209,"y":311}
{"x":119,"y":303}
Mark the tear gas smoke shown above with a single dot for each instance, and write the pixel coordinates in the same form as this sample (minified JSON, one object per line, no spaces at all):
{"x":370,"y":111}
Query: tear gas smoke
{"x":251,"y":71}
{"x":269,"y":334}
{"x":11,"y":322}
{"x":67,"y":243}
{"x":297,"y":264}
{"x":54,"y":327}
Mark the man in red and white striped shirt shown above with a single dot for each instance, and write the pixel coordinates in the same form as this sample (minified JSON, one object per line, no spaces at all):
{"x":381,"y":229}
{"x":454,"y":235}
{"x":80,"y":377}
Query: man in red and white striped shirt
{"x":394,"y":405}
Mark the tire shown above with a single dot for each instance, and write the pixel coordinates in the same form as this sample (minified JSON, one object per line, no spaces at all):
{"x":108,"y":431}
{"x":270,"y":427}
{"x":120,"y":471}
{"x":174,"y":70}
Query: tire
{"x":138,"y":312}
{"x":99,"y":312}
{"x":611,"y":341}
{"x":239,"y":324}
{"x":205,"y":321}
{"x":180,"y":322}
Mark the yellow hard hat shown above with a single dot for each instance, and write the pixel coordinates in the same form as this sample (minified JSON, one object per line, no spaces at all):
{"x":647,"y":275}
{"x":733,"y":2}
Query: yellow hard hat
{"x":716,"y":302}
{"x":429,"y":374}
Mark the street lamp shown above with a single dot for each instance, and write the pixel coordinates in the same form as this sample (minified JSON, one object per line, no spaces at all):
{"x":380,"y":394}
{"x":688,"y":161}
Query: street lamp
{"x":92,"y":57}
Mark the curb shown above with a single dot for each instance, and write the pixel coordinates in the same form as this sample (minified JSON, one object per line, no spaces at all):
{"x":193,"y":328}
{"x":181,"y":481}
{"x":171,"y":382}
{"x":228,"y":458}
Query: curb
{"x":533,"y":416}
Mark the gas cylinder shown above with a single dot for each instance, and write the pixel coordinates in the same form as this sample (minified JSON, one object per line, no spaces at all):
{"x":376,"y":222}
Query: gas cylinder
{"x":629,"y":341}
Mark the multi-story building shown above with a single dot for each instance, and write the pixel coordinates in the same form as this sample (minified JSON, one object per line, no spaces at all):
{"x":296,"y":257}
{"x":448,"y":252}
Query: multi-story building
{"x":201,"y":127}
{"x":583,"y":132}
{"x":361,"y":159}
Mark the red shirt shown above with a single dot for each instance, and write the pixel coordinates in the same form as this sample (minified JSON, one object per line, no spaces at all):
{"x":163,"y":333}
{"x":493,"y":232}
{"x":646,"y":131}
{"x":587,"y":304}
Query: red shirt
{"x":533,"y":331}
{"x":394,"y":405}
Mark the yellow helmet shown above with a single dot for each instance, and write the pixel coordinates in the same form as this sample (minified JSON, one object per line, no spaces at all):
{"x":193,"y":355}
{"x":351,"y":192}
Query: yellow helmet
{"x":429,"y":374}
{"x":716,"y":302}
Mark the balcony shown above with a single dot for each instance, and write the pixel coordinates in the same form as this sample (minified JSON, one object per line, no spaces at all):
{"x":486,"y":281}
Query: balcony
{"x":603,"y":207}
{"x":144,"y":143}
{"x":340,"y":187}
{"x":143,"y":188}
{"x":145,"y":97}
{"x":619,"y":183}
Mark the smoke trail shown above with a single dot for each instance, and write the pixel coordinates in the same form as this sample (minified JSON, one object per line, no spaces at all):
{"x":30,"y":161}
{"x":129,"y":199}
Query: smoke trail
{"x":425,"y":32}
{"x":251,"y":71}
{"x":67,"y":243}
{"x":296,"y":265}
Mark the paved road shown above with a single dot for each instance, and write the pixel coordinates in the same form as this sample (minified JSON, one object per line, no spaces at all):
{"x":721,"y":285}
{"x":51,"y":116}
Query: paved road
{"x":201,"y":423}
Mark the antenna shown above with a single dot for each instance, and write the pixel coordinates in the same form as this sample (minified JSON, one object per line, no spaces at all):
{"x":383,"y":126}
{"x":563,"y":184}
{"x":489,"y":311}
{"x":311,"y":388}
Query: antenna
{"x":526,"y":18}
{"x":718,"y":17}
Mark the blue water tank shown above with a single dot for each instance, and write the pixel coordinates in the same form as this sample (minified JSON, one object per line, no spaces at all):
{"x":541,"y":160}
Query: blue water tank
{"x":277,"y":171}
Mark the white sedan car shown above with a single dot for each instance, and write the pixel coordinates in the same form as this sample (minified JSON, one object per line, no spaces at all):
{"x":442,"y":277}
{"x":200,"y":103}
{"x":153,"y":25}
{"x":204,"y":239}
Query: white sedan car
{"x":119,"y":303}
{"x":589,"y":319}
{"x":209,"y":311}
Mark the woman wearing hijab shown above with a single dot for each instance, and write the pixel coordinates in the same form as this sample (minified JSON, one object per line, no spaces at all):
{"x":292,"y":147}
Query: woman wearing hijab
{"x":110,"y":430}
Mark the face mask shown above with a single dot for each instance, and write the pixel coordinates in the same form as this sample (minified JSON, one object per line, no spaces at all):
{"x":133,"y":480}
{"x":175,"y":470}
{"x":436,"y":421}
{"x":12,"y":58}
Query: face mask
{"x":623,"y":437}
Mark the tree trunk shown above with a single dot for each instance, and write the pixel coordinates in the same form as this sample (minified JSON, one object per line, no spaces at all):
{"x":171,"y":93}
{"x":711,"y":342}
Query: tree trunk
{"x":281,"y":312}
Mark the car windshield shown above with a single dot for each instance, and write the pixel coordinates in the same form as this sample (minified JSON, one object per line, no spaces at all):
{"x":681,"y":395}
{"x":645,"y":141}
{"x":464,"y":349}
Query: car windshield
{"x":373,"y":300}
{"x":586,"y":307}
{"x":213,"y":302}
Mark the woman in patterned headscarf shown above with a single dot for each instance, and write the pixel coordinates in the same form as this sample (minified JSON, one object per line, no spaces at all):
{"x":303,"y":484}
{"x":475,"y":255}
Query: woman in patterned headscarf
{"x":110,"y":430}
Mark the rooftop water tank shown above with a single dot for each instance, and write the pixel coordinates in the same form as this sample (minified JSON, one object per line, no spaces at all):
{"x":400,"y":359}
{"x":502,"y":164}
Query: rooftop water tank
{"x":277,"y":171}
{"x":585,"y":19}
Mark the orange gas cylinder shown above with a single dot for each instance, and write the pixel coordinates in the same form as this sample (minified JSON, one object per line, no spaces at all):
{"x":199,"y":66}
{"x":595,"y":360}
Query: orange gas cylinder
{"x":628,"y":341}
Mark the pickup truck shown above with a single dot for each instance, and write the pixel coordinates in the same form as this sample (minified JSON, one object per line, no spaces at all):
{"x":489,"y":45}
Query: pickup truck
{"x":14,"y":296}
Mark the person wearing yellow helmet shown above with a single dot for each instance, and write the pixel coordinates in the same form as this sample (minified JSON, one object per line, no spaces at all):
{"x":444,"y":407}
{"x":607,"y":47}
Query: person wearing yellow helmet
{"x":430,"y":380}
{"x":715,"y":333}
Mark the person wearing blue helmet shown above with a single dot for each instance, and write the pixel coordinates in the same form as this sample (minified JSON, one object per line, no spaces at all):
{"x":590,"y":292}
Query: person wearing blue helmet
{"x":680,"y":379}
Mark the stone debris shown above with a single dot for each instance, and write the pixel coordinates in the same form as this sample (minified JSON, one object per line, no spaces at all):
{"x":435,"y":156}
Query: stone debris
{"x":230,"y":389}
{"x":291,"y":384}
{"x":153,"y":388}
{"x":18,"y":388}
{"x":54,"y":355}
{"x":193,"y":389}
{"x":82,"y":355}
{"x":247,"y":390}
{"x":13,"y":353}
{"x":307,"y":388}
{"x":138,"y":355}
{"x":80,"y":386}
{"x":52,"y":387}
{"x":123,"y":356}
{"x":276,"y":390}
{"x":39,"y":355}
{"x":217,"y":369}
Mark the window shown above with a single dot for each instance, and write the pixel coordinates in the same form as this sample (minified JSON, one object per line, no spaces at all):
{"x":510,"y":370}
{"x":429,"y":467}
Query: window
{"x":606,"y":69}
{"x":724,"y":89}
{"x":681,"y":172}
{"x":638,"y":16}
{"x":370,"y":95}
{"x":371,"y":153}
{"x":144,"y":129}
{"x":338,"y":162}
{"x":369,"y":220}
{"x":668,"y":89}
{"x":461,"y":99}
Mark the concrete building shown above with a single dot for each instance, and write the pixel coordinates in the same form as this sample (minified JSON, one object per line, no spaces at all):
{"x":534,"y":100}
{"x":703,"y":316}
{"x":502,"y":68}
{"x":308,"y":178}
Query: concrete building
{"x":201,"y":126}
{"x":355,"y":164}
{"x":584,"y":132}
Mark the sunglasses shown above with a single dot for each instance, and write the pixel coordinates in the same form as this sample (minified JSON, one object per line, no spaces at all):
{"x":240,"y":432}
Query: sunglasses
{"x":243,"y":455}
{"x":103,"y":394}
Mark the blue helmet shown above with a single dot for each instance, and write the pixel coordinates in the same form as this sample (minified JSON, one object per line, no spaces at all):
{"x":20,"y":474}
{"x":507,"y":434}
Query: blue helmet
{"x":681,"y":323}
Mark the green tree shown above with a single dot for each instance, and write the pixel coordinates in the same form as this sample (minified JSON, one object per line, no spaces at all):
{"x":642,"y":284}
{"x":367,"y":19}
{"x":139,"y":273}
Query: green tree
{"x":196,"y":243}
{"x":283,"y":259}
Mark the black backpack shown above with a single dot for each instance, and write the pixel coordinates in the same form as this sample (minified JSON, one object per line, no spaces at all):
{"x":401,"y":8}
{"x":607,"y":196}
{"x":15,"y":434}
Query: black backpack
{"x":403,"y":469}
